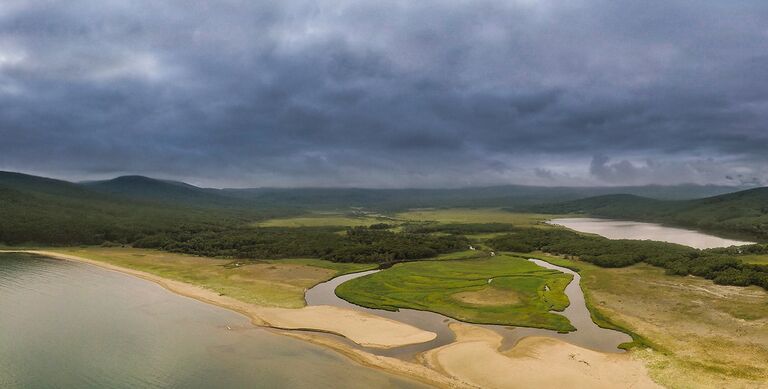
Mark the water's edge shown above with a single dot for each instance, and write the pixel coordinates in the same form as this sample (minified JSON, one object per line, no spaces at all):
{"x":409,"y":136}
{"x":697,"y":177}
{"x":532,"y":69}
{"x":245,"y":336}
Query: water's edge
{"x":587,"y":334}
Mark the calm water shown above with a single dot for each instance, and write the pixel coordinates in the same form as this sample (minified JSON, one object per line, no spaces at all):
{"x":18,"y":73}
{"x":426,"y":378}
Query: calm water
{"x":620,"y":229}
{"x":72,"y":325}
{"x":587,"y":333}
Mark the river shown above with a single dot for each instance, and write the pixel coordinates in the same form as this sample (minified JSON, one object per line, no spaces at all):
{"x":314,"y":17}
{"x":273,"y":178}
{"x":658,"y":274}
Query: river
{"x":587,"y":333}
{"x":72,"y":325}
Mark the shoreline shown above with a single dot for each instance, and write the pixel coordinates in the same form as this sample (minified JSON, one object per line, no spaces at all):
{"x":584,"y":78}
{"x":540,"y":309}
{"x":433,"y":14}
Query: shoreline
{"x":473,"y":360}
{"x":255,"y":315}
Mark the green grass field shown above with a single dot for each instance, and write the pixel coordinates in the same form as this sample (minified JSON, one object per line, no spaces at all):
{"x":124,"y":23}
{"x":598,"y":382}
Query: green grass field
{"x":755,"y":259}
{"x":474,"y":215}
{"x":701,"y":334}
{"x":276,"y":283}
{"x":326,"y":220}
{"x":460,"y":289}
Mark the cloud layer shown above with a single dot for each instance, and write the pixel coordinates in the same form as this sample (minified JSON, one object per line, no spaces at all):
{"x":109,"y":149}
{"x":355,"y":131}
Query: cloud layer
{"x":387,"y":94}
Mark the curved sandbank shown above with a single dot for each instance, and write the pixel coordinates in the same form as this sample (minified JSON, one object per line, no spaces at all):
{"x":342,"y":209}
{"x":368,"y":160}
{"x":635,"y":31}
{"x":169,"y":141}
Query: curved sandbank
{"x":473,"y":360}
{"x":362,"y":328}
{"x":587,"y":335}
{"x":535,"y":362}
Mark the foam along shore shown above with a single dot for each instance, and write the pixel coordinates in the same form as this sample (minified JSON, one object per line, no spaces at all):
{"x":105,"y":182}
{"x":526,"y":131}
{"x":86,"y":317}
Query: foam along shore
{"x":535,"y":362}
{"x":364,"y":329}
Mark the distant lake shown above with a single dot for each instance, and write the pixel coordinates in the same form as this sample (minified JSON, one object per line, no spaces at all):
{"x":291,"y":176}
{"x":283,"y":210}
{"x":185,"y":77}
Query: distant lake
{"x":621,"y":229}
{"x":71,"y":325}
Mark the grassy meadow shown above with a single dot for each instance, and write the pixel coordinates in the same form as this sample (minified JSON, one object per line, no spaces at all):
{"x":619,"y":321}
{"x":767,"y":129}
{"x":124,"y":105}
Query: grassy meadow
{"x":473,"y":215}
{"x":326,"y":219}
{"x":515,"y":295}
{"x":701,"y":334}
{"x":755,"y":259}
{"x":276,"y":283}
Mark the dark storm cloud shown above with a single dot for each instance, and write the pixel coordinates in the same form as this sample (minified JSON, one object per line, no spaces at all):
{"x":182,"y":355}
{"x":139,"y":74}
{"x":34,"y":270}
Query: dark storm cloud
{"x":431,"y":93}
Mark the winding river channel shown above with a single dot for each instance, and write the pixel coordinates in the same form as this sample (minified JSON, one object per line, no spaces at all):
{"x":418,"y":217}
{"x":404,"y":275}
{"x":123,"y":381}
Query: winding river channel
{"x":587,"y":335}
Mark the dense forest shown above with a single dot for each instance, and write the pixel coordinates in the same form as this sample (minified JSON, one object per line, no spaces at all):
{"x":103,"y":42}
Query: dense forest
{"x":175,"y":216}
{"x":359,"y":244}
{"x":720,"y":265}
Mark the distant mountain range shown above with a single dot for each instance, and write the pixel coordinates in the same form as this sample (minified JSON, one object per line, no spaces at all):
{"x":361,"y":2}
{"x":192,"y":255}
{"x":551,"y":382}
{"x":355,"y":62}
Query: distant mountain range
{"x":44,"y":210}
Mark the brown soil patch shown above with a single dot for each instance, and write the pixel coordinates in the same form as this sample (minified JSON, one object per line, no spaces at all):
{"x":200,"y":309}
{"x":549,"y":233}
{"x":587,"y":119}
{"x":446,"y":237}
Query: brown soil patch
{"x":488,"y":296}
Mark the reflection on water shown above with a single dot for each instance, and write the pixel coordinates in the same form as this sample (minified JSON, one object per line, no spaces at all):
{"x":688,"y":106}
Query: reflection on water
{"x":621,"y":229}
{"x":70,"y":325}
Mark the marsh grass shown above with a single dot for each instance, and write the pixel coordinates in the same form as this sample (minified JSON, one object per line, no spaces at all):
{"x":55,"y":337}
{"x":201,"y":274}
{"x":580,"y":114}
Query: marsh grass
{"x":434,"y":285}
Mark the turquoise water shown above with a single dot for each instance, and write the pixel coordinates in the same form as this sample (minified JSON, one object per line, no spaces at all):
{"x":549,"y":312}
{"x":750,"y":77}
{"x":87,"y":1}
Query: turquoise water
{"x":70,"y":325}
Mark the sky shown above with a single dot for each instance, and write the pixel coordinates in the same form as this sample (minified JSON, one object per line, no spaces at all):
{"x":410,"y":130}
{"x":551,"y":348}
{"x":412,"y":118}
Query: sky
{"x":387,"y":93}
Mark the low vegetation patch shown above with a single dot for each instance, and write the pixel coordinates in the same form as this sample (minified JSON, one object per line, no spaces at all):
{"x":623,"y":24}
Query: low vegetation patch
{"x":474,"y":216}
{"x":488,"y":296}
{"x":702,"y":334}
{"x":453,"y":288}
{"x":278,"y":283}
{"x":329,"y":220}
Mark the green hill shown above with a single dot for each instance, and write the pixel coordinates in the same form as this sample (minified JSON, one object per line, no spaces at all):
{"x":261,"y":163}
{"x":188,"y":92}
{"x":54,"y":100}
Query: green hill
{"x":743,"y":213}
{"x":125,"y":209}
{"x":35,"y":210}
{"x":513,"y":196}
{"x":150,"y":189}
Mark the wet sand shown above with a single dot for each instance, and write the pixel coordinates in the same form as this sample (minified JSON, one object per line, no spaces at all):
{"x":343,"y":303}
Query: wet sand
{"x":473,"y":360}
{"x":535,"y":362}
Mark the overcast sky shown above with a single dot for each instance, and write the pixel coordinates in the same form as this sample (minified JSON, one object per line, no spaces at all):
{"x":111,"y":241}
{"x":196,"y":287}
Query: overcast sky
{"x":387,"y":93}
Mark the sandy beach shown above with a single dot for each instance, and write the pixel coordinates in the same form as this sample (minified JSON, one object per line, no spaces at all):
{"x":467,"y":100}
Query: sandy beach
{"x":475,"y":359}
{"x":472,"y":361}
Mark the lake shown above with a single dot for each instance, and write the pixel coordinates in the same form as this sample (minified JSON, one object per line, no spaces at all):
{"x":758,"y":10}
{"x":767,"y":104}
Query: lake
{"x":72,"y":325}
{"x":621,"y":229}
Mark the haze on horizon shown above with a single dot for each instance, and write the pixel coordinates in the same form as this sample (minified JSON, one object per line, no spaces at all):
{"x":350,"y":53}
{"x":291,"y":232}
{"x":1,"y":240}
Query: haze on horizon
{"x":387,"y":94}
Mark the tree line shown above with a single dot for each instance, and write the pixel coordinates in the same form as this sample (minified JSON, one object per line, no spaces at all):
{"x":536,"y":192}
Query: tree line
{"x":720,"y":265}
{"x":358,"y":244}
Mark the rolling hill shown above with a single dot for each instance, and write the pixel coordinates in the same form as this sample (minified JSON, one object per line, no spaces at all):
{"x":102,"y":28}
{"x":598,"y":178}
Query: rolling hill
{"x":744,"y":213}
{"x":48,"y":211}
{"x":36,"y":210}
{"x":150,"y":189}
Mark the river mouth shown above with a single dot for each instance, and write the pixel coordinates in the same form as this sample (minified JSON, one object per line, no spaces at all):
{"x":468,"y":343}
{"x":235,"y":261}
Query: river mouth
{"x":587,"y":334}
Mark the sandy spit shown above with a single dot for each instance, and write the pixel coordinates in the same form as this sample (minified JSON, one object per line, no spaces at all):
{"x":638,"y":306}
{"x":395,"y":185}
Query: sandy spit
{"x":472,"y":361}
{"x":362,"y":328}
{"x":535,"y":362}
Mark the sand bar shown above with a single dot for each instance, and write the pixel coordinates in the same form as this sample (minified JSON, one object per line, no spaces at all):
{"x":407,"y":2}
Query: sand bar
{"x":362,"y":328}
{"x":472,"y":361}
{"x":535,"y":362}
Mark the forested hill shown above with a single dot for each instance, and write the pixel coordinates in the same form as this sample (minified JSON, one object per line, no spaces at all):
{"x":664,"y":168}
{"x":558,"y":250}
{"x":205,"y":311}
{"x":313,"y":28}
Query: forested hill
{"x":36,"y":210}
{"x":514,"y":196}
{"x":744,"y":213}
{"x":145,"y":188}
{"x":130,"y":208}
